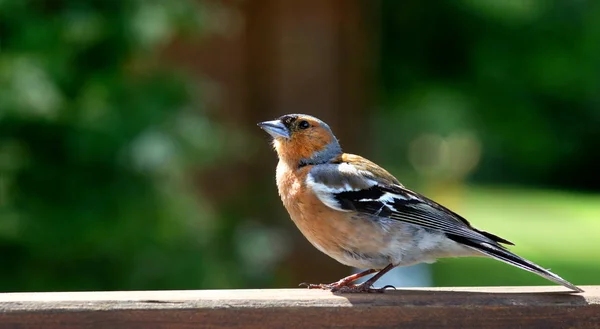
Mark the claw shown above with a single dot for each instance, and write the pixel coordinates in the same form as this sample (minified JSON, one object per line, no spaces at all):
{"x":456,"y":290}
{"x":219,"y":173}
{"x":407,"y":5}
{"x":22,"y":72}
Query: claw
{"x":346,"y":288}
{"x":389,"y":286}
{"x":345,"y":282}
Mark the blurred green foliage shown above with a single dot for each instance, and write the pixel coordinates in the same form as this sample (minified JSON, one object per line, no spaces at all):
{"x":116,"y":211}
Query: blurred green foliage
{"x":522,"y":76}
{"x":520,"y":82}
{"x":95,"y":135}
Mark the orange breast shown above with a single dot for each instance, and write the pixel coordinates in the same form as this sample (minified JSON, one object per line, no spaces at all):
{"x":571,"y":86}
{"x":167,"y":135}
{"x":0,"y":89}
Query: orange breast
{"x":331,"y":231}
{"x":303,"y":207}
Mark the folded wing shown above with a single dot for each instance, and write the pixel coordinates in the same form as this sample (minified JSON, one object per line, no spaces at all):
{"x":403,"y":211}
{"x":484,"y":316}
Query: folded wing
{"x":366,"y":188}
{"x":356,"y":184}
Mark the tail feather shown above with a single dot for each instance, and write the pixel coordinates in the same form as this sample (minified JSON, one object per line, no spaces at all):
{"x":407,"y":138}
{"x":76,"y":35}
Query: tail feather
{"x":502,"y":254}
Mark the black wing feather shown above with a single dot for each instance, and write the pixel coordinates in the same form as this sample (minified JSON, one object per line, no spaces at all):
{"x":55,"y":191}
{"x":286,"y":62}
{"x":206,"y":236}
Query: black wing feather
{"x":413,"y":208}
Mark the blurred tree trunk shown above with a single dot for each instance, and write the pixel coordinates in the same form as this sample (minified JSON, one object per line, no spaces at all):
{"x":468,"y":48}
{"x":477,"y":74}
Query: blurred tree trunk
{"x":275,"y":57}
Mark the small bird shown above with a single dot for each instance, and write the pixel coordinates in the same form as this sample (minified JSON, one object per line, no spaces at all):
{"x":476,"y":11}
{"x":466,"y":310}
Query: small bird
{"x":356,"y":212}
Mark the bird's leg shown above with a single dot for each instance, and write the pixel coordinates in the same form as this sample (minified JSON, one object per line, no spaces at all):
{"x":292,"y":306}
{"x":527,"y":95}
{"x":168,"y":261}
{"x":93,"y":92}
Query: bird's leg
{"x":345,"y":282}
{"x":366,"y":286}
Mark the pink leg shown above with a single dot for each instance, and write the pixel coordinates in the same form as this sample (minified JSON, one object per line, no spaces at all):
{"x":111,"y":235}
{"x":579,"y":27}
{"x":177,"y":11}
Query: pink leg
{"x":366,"y":286}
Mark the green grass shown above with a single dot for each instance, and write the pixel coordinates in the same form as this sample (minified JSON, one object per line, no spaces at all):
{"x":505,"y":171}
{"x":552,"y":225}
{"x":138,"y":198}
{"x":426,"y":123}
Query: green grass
{"x":557,"y":230}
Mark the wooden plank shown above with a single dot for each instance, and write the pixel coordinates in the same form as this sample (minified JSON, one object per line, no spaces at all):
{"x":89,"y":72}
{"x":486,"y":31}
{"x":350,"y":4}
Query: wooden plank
{"x":497,"y":307}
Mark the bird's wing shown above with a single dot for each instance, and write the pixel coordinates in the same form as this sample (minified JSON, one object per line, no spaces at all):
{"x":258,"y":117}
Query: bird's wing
{"x":353,"y":183}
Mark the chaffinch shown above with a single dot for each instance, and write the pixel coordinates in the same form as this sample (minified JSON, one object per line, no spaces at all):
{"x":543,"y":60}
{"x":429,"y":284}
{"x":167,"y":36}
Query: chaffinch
{"x":360,"y":215}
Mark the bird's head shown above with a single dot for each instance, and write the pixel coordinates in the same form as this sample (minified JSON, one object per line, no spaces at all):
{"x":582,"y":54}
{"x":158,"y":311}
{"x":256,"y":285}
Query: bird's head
{"x":302,"y":139}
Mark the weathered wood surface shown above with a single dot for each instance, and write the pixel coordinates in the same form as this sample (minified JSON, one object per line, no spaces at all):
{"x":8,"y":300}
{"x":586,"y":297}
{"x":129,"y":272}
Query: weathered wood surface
{"x":498,"y":307}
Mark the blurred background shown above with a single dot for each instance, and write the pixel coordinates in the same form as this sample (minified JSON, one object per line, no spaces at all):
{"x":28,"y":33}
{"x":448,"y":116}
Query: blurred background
{"x":130,"y":156}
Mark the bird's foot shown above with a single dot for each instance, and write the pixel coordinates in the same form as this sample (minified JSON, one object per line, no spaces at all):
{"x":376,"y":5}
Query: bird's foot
{"x":345,"y":287}
{"x":359,"y":288}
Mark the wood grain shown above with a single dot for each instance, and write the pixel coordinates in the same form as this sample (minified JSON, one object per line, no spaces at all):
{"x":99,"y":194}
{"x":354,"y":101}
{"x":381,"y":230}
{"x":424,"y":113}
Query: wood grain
{"x":497,"y":307}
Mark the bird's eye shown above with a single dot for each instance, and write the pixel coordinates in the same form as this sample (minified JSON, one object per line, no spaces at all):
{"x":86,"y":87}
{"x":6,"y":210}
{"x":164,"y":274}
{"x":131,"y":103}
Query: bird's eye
{"x":303,"y":124}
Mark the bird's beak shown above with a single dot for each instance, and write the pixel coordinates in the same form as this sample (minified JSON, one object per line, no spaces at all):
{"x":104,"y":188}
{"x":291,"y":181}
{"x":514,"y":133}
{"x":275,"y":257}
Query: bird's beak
{"x":275,"y":128}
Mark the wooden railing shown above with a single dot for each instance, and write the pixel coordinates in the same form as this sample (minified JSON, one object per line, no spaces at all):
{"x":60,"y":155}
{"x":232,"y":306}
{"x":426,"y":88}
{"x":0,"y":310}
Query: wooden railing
{"x":498,"y":307}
